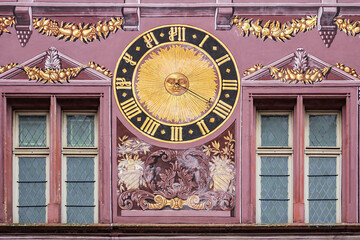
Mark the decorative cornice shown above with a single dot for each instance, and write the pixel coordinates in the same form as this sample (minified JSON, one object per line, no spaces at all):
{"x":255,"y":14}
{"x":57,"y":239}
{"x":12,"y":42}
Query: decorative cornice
{"x":348,"y":26}
{"x":6,"y":22}
{"x":86,"y":32}
{"x":274,"y":29}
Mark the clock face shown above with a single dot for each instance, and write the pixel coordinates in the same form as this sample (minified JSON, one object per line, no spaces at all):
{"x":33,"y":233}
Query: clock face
{"x":176,"y":83}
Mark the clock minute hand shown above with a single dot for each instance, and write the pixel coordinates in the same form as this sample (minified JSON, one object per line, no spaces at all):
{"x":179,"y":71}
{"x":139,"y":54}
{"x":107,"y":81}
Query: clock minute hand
{"x":195,"y":94}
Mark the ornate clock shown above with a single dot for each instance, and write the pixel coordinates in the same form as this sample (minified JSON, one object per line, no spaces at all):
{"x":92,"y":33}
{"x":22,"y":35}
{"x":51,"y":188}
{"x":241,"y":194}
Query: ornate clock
{"x":176,"y":83}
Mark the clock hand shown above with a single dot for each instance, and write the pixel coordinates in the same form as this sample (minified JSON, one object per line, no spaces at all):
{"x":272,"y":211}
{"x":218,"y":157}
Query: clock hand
{"x":195,"y":94}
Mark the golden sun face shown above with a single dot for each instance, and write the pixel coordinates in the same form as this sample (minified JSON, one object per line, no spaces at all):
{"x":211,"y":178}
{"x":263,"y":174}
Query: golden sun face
{"x":174,"y":82}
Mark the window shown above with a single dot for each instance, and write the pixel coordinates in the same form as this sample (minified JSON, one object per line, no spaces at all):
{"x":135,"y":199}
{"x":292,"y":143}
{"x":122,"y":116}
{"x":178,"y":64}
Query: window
{"x":79,"y":169}
{"x":31,"y":163}
{"x":322,"y":165}
{"x":33,"y":156}
{"x":274,"y":167}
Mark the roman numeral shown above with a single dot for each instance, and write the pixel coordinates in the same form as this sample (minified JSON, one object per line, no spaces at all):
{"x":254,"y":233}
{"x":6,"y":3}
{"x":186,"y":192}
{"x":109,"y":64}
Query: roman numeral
{"x":202,"y":126}
{"x":229,"y":84}
{"x":129,"y":59}
{"x":150,"y":126}
{"x":121,"y":83}
{"x":177,"y":31}
{"x":130,"y":108}
{"x":203,"y":41}
{"x":149,"y":38}
{"x":223,"y":59}
{"x":176,"y":134}
{"x":222,"y":109}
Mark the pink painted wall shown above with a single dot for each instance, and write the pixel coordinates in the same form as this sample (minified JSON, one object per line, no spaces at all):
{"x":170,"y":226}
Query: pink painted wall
{"x":247,"y":52}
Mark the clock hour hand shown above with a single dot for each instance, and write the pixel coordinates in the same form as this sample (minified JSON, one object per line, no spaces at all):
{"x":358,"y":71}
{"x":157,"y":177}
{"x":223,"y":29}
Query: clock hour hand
{"x":195,"y":94}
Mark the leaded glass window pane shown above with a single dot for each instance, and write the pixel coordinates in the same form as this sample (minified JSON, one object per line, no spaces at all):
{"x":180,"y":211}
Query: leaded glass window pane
{"x":274,"y":189}
{"x":32,"y":131}
{"x":322,"y":130}
{"x":322,"y":189}
{"x":322,"y":211}
{"x":274,"y":211}
{"x":80,"y":187}
{"x":80,"y":130}
{"x":32,"y":190}
{"x":80,"y":214}
{"x":274,"y":130}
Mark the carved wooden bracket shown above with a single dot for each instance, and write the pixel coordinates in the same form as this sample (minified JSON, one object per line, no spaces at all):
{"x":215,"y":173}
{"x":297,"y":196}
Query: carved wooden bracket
{"x":327,"y":28}
{"x":131,"y":17}
{"x":223,"y":16}
{"x":23,"y":24}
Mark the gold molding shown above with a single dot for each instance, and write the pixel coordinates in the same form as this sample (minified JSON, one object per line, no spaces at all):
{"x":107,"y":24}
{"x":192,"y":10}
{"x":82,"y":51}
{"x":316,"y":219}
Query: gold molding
{"x":192,"y":202}
{"x":348,"y":26}
{"x":274,"y":29}
{"x":348,"y":70}
{"x":52,"y":75}
{"x":100,"y":69}
{"x":85,"y":32}
{"x":6,"y":22}
{"x":7,"y":67}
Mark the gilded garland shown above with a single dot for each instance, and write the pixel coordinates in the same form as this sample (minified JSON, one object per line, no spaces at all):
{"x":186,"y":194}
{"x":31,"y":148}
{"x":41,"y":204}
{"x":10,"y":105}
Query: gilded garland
{"x":292,"y":76}
{"x":348,"y":26}
{"x":348,"y":70}
{"x":55,"y":75}
{"x":51,"y":75}
{"x":274,"y":29}
{"x":7,"y":67}
{"x":295,"y":76}
{"x":70,"y":31}
{"x":100,"y":69}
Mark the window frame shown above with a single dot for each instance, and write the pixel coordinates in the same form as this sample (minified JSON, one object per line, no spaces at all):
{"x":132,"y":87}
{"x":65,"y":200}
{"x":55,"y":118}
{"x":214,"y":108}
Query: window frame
{"x":274,"y":151}
{"x":16,"y":216}
{"x":16,"y":114}
{"x":28,"y":152}
{"x":79,"y":152}
{"x":332,"y":151}
{"x":63,"y":185}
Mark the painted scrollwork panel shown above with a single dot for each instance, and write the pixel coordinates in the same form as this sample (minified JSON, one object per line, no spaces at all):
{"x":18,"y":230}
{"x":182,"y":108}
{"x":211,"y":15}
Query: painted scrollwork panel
{"x":154,"y":178}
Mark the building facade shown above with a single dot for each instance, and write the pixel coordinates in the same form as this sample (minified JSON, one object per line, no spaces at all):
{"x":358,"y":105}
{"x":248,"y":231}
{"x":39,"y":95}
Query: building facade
{"x":209,"y":119}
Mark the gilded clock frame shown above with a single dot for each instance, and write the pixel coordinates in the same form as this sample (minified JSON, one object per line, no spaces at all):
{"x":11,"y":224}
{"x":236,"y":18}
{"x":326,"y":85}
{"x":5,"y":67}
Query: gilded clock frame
{"x":207,"y":123}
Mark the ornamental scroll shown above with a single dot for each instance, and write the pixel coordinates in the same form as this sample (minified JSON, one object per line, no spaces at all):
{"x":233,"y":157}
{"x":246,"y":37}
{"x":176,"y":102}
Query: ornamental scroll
{"x":155,"y":178}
